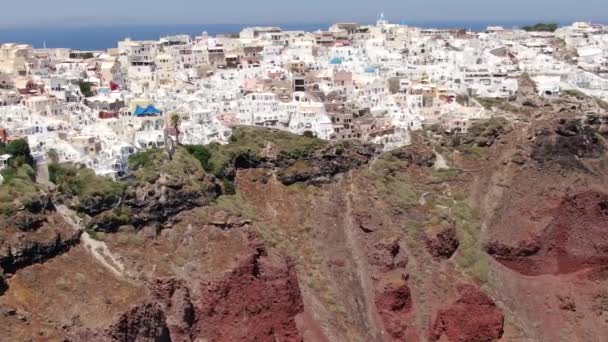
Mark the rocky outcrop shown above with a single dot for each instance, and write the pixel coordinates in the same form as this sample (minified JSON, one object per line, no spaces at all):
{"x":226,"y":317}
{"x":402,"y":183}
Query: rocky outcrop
{"x":574,"y":239}
{"x":94,"y":205}
{"x":598,"y":123}
{"x":444,"y":244}
{"x":21,"y":249}
{"x":159,"y":192}
{"x":226,"y":220}
{"x":142,"y":324}
{"x":27,"y":221}
{"x":486,"y":133}
{"x":258,"y":301}
{"x":174,"y":297}
{"x":523,"y":249}
{"x":566,"y":142}
{"x":29,"y":217}
{"x":3,"y":284}
{"x":324,"y":164}
{"x":421,"y":156}
{"x":367,"y":222}
{"x":387,"y":255}
{"x":483,"y":133}
{"x":472,"y":318}
{"x":394,"y":304}
{"x":166,"y":196}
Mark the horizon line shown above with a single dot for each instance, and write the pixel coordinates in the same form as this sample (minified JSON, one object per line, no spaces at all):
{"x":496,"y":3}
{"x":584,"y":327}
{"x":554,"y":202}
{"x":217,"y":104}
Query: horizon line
{"x":291,"y":23}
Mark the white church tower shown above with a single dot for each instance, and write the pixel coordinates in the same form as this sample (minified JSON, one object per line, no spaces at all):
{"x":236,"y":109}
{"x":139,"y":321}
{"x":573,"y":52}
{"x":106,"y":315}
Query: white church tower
{"x":381,"y":21}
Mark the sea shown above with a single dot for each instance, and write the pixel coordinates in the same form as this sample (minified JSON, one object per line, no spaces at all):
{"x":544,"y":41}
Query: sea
{"x":89,"y":38}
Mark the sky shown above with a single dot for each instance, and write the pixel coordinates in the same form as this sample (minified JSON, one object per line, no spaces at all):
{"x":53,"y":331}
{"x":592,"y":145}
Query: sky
{"x":56,"y":13}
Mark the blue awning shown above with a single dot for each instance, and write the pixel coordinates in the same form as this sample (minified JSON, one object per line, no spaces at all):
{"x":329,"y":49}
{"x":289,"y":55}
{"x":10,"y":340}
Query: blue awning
{"x":336,"y":61}
{"x":148,"y":111}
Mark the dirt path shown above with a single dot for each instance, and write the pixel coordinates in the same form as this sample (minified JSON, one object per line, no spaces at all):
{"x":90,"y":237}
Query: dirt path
{"x":360,"y":260}
{"x":422,"y":199}
{"x":373,"y":161}
{"x":98,"y":249}
{"x":440,"y":162}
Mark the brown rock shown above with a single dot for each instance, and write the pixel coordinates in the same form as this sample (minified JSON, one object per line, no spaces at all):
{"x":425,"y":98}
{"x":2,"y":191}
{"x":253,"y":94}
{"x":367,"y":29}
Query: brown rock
{"x":367,"y":222}
{"x":444,"y":245}
{"x":387,"y":255}
{"x":142,"y":324}
{"x":566,"y":303}
{"x":174,"y":296}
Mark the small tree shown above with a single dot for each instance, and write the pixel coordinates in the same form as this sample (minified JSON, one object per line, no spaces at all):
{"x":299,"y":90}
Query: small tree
{"x":19,"y":149}
{"x":309,"y":134}
{"x":53,"y":156}
{"x":85,"y":89}
{"x":175,"y":122}
{"x":542,"y":27}
{"x":202,"y":153}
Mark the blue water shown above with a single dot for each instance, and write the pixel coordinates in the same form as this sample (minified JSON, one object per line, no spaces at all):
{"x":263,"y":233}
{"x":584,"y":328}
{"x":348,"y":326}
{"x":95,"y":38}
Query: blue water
{"x":99,"y":38}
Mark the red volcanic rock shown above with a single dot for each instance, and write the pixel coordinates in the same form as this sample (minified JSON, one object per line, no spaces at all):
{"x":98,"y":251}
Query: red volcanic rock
{"x":518,"y":258}
{"x":257,"y":301}
{"x":575,"y":239}
{"x":472,"y":318}
{"x":394,"y":304}
{"x":444,"y":245}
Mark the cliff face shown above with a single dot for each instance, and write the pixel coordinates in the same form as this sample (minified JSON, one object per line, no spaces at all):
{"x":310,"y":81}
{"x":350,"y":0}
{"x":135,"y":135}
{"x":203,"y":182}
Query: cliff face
{"x":336,"y":243}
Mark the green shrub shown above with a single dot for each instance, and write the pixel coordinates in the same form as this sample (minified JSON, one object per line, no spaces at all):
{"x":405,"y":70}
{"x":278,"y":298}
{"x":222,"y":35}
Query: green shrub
{"x":541,"y":27}
{"x":574,"y":93}
{"x":446,"y":175}
{"x":491,"y":102}
{"x":111,"y":220}
{"x":17,"y":191}
{"x":92,"y":190}
{"x":201,"y":153}
{"x":85,"y":88}
{"x":143,"y":159}
{"x":18,"y":169}
{"x":601,"y":103}
{"x":244,"y":148}
{"x":236,"y":204}
{"x":181,"y":171}
{"x":19,"y":151}
{"x":392,"y":182}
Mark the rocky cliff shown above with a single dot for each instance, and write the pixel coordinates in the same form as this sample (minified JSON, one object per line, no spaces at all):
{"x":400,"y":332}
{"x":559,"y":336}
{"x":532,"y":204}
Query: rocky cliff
{"x":282,"y":238}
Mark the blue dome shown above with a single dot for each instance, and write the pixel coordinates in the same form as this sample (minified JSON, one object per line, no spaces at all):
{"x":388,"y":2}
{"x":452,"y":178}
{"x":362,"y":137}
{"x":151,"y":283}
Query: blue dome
{"x":370,"y":70}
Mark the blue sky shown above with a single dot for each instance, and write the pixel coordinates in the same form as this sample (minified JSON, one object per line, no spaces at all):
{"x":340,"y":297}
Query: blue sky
{"x":31,"y":13}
